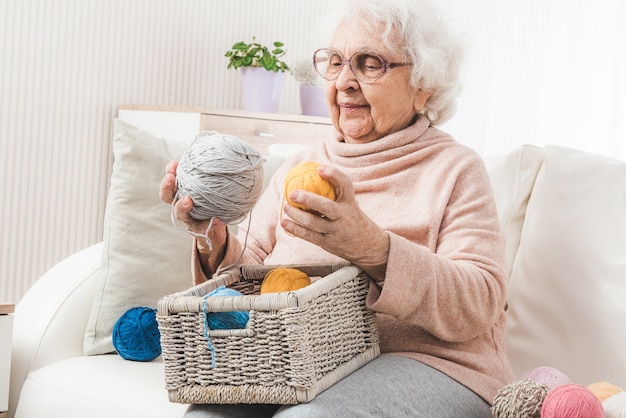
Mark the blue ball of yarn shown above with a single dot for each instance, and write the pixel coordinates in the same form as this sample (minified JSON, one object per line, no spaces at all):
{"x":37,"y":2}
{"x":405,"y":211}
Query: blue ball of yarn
{"x":226,"y":320}
{"x":136,"y":335}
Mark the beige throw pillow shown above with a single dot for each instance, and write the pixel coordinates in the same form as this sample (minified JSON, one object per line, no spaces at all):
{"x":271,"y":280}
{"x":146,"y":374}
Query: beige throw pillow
{"x":144,"y":256}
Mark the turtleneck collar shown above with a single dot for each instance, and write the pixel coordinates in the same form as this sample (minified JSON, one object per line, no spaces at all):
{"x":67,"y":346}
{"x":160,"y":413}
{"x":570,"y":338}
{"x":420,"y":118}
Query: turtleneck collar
{"x":395,"y":145}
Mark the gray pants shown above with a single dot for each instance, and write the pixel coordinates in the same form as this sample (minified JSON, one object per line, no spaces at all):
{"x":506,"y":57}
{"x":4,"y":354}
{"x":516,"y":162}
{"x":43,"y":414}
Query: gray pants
{"x":389,"y":386}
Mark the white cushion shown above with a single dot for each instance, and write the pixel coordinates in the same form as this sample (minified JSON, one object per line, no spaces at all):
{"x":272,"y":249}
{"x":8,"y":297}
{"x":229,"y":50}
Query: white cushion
{"x":567,"y":291}
{"x":513,"y":177}
{"x":50,"y":319}
{"x":97,"y":387}
{"x":144,"y":257}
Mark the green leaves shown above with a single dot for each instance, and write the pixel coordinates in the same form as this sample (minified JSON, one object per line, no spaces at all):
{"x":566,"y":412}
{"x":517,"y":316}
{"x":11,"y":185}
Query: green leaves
{"x":254,"y":54}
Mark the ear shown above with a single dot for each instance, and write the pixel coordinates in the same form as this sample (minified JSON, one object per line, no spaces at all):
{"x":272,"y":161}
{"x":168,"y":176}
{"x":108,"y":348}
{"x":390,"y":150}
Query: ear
{"x":421,"y":95}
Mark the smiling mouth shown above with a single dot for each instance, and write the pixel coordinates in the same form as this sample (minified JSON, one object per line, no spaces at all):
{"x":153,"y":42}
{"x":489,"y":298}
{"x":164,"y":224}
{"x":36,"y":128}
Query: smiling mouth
{"x":351,"y":107}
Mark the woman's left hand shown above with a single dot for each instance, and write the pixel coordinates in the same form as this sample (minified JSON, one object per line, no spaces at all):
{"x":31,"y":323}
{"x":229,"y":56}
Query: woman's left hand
{"x":340,"y":226}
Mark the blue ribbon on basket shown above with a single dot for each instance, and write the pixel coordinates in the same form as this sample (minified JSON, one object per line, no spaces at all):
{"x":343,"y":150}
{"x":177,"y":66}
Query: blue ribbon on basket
{"x":221,"y":320}
{"x":206,"y":330}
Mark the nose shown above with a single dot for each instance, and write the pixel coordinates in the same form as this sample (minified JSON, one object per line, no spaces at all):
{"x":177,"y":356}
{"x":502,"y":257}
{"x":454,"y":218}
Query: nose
{"x":346,"y":74}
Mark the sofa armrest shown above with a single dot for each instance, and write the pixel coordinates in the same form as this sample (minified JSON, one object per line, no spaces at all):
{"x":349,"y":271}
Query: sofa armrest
{"x":50,"y":320}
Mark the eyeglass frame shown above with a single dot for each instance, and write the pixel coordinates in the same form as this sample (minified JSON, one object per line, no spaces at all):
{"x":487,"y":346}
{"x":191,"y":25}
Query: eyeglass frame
{"x":386,"y":65}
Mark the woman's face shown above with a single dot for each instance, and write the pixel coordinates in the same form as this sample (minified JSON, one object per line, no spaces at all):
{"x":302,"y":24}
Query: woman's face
{"x":366,"y":112}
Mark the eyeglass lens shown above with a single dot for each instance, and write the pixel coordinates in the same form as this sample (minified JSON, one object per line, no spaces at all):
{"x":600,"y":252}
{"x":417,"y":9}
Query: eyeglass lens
{"x":366,"y":67}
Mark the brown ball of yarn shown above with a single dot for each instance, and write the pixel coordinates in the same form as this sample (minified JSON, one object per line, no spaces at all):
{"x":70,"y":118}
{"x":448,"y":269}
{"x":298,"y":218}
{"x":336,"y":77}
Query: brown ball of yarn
{"x":283,"y":279}
{"x":520,"y":399}
{"x":304,"y":176}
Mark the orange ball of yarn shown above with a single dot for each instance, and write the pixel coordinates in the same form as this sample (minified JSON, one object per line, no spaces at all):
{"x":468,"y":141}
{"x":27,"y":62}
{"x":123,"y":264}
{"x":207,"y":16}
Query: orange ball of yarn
{"x":304,"y":176}
{"x":283,"y":279}
{"x":604,"y":390}
{"x":571,"y":401}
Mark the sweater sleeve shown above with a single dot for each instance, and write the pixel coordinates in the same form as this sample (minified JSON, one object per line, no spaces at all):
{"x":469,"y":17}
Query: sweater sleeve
{"x":232,"y":255}
{"x":452,"y":286}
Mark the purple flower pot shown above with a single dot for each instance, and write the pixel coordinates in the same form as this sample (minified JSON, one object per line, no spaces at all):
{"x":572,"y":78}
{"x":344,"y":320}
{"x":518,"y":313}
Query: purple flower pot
{"x":261,"y":89}
{"x":312,"y":101}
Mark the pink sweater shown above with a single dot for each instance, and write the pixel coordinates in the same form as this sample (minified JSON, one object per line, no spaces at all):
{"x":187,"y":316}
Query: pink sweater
{"x":443,"y":298}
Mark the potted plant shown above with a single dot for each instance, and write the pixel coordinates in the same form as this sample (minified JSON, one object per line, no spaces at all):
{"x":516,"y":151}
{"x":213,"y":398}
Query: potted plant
{"x":312,"y":100}
{"x":262,"y":73}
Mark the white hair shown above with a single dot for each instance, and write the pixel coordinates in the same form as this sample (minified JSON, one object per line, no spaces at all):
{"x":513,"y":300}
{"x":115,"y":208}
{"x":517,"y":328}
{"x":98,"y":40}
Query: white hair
{"x":426,"y":39}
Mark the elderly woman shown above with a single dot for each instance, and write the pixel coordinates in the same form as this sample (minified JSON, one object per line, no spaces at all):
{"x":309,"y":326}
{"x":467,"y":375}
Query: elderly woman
{"x":414,"y":209}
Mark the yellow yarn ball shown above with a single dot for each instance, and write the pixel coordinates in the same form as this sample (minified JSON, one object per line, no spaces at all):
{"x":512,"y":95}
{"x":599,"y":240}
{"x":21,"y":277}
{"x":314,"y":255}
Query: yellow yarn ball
{"x":283,"y":279}
{"x":604,"y":390}
{"x":304,"y":176}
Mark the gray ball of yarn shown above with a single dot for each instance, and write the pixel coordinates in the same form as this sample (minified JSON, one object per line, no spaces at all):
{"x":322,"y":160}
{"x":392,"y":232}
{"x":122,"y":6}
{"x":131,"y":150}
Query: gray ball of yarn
{"x":520,"y":399}
{"x":222,"y":174}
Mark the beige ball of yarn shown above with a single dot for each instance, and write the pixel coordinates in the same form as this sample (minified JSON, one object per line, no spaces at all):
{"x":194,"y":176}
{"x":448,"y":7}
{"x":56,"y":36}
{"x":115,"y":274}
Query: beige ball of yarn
{"x":604,"y":390}
{"x":520,"y":399}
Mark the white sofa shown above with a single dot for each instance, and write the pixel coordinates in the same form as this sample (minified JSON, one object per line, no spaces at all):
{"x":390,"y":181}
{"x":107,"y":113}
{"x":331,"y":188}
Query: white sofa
{"x":563,"y":213}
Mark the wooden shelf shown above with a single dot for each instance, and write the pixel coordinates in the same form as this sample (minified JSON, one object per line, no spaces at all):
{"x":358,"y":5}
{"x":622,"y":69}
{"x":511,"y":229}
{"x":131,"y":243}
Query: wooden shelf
{"x":7,"y":308}
{"x":259,"y":129}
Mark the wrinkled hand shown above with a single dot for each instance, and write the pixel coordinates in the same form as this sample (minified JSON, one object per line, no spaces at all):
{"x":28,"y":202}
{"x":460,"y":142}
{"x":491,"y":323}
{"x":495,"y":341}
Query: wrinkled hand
{"x":167,"y":191}
{"x":343,"y":228}
{"x":215,"y":236}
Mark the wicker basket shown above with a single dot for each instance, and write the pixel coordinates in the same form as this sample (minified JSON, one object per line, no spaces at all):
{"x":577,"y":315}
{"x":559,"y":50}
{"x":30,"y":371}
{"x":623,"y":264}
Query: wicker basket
{"x":295,"y":345}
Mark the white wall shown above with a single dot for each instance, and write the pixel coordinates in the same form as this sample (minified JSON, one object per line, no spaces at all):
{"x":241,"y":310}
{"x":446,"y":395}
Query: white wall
{"x":543,"y":72}
{"x":539,"y":72}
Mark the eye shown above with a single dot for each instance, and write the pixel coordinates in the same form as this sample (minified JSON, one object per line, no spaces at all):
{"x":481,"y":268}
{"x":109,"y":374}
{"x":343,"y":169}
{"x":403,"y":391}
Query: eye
{"x":369,"y":64}
{"x":334,"y":60}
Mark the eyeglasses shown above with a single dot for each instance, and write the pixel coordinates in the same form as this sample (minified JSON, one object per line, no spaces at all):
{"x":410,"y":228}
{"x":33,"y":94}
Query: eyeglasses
{"x":366,"y":66}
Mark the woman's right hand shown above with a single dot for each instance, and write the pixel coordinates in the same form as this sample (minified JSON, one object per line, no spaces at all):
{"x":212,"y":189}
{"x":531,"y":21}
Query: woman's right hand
{"x":214,"y":238}
{"x":167,"y":190}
